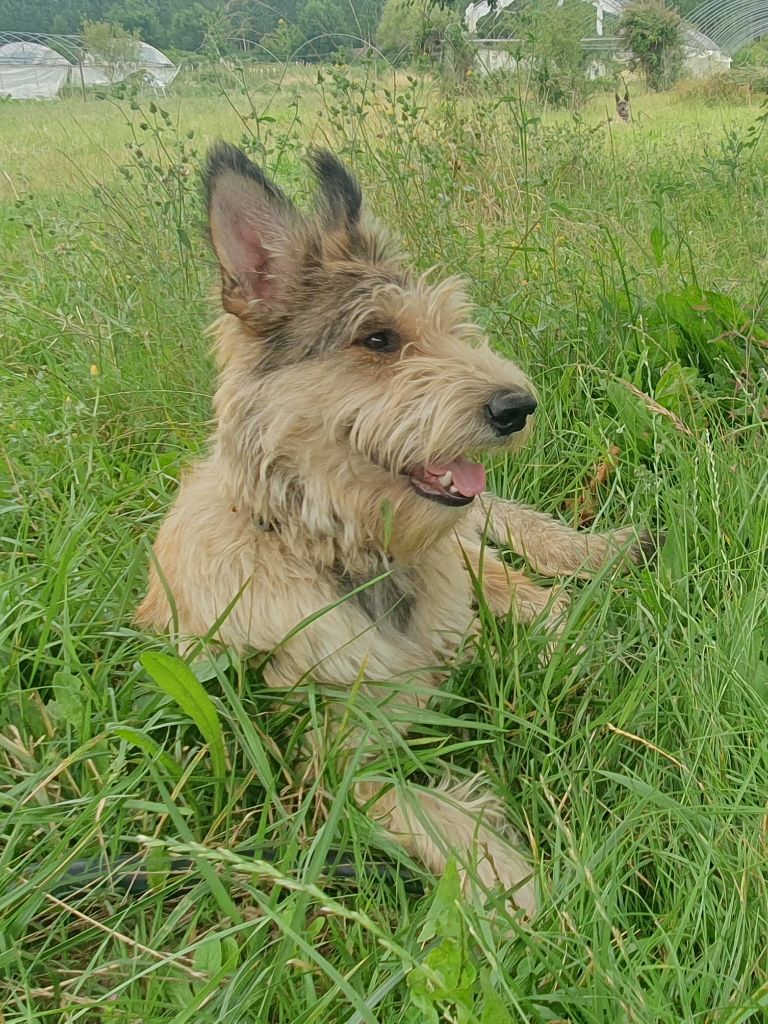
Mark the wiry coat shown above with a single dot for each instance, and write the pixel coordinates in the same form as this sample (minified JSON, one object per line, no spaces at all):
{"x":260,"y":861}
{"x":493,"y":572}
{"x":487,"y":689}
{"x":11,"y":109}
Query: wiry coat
{"x":343,"y":382}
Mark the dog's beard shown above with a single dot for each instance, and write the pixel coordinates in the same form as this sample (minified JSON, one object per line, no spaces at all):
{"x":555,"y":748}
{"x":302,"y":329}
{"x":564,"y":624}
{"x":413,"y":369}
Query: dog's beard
{"x":348,"y":482}
{"x":452,"y":475}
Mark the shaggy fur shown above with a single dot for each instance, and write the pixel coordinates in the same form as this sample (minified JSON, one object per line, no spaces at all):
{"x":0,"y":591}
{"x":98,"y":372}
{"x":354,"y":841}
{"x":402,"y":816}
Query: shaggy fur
{"x":346,"y":387}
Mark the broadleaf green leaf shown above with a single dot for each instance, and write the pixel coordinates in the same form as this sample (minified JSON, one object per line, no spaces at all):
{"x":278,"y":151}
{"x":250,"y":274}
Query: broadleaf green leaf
{"x":176,"y":679}
{"x":149,"y":746}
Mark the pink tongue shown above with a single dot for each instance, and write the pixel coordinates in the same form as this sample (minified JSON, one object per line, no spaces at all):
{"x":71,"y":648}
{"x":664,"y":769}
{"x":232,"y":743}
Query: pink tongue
{"x":468,"y":477}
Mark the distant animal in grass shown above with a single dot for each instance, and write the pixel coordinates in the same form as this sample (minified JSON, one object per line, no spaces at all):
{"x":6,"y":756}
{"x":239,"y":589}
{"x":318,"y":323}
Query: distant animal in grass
{"x":623,"y":108}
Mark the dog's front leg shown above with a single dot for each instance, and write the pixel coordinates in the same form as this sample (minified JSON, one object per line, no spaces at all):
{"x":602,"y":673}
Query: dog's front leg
{"x":434,"y":824}
{"x":554,"y":549}
{"x":455,"y":819}
{"x":509,"y":591}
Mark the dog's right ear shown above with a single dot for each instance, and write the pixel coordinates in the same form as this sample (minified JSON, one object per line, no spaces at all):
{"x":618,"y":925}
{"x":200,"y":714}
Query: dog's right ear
{"x":340,"y":194}
{"x":618,"y":98}
{"x":252,"y":228}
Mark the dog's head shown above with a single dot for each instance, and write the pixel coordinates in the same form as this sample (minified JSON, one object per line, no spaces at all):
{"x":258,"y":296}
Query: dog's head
{"x":622,"y":106}
{"x":345,"y":382}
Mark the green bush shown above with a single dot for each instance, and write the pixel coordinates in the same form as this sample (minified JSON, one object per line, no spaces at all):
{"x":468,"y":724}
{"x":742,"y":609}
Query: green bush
{"x":754,"y":55}
{"x":548,"y":39}
{"x":412,"y":28}
{"x":653,"y":33}
{"x":739,"y":85}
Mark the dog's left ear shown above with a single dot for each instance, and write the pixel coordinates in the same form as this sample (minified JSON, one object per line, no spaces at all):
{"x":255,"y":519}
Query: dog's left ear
{"x":626,"y":96}
{"x":341,"y":198}
{"x":254,"y":230}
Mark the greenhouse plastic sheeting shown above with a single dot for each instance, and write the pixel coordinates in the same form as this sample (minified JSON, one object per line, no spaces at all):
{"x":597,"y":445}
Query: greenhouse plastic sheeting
{"x":29,"y":71}
{"x":150,"y":60}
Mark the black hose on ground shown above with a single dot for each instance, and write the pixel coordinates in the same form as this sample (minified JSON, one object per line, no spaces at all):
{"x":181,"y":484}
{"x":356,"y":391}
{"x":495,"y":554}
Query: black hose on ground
{"x":130,"y":875}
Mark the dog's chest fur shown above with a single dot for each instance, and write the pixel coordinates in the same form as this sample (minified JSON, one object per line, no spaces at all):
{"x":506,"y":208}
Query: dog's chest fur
{"x":386,"y":592}
{"x":430,"y":599}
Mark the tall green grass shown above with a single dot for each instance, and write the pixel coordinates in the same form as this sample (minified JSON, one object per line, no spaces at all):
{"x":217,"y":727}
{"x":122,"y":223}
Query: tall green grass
{"x":625,"y":270}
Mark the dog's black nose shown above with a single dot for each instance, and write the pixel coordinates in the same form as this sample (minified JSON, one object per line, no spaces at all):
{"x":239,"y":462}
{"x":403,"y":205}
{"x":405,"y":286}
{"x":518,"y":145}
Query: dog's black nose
{"x":507,"y":411}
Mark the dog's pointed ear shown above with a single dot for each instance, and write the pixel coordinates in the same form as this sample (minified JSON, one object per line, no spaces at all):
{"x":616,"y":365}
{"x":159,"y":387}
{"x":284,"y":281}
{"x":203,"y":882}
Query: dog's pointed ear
{"x":618,"y":98}
{"x":252,"y":228}
{"x":340,"y":195}
{"x":626,"y":96}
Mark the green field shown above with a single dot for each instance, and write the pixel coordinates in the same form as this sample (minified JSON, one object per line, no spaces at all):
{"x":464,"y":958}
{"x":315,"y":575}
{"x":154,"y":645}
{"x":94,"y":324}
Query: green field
{"x":625,"y":269}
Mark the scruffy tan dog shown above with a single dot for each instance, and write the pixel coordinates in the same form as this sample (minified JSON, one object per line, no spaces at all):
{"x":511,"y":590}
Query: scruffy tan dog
{"x":350,"y":396}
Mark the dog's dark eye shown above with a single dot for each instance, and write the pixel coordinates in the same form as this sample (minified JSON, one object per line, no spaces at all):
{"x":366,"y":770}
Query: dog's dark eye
{"x":381,"y":341}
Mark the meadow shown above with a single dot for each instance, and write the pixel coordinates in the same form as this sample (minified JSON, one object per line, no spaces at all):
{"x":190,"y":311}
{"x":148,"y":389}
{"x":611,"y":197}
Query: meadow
{"x":625,"y":269}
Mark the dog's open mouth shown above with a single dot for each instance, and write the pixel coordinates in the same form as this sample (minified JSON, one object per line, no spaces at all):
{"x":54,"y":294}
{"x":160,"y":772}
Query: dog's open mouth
{"x":449,"y":483}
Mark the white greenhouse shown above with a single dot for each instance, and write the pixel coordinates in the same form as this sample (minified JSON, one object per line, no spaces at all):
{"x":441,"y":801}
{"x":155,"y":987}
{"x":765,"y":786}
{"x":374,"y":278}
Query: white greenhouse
{"x":160,"y":70}
{"x":31,"y":69}
{"x":703,"y":56}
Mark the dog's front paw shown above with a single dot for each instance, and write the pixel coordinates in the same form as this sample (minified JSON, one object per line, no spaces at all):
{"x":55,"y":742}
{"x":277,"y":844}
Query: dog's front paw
{"x":500,"y":864}
{"x":636,"y":547}
{"x":647,"y":546}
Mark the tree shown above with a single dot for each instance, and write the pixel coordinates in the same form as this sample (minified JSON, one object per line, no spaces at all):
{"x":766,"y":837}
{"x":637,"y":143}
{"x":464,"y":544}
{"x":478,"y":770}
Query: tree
{"x":114,"y":47}
{"x":548,"y":38}
{"x":264,"y":18}
{"x":551,"y":37}
{"x":412,"y":28}
{"x":753,"y":55}
{"x":187,"y":24}
{"x":653,"y":33}
{"x":139,"y":16}
{"x":282,"y":42}
{"x":328,"y":25}
{"x":187,"y":30}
